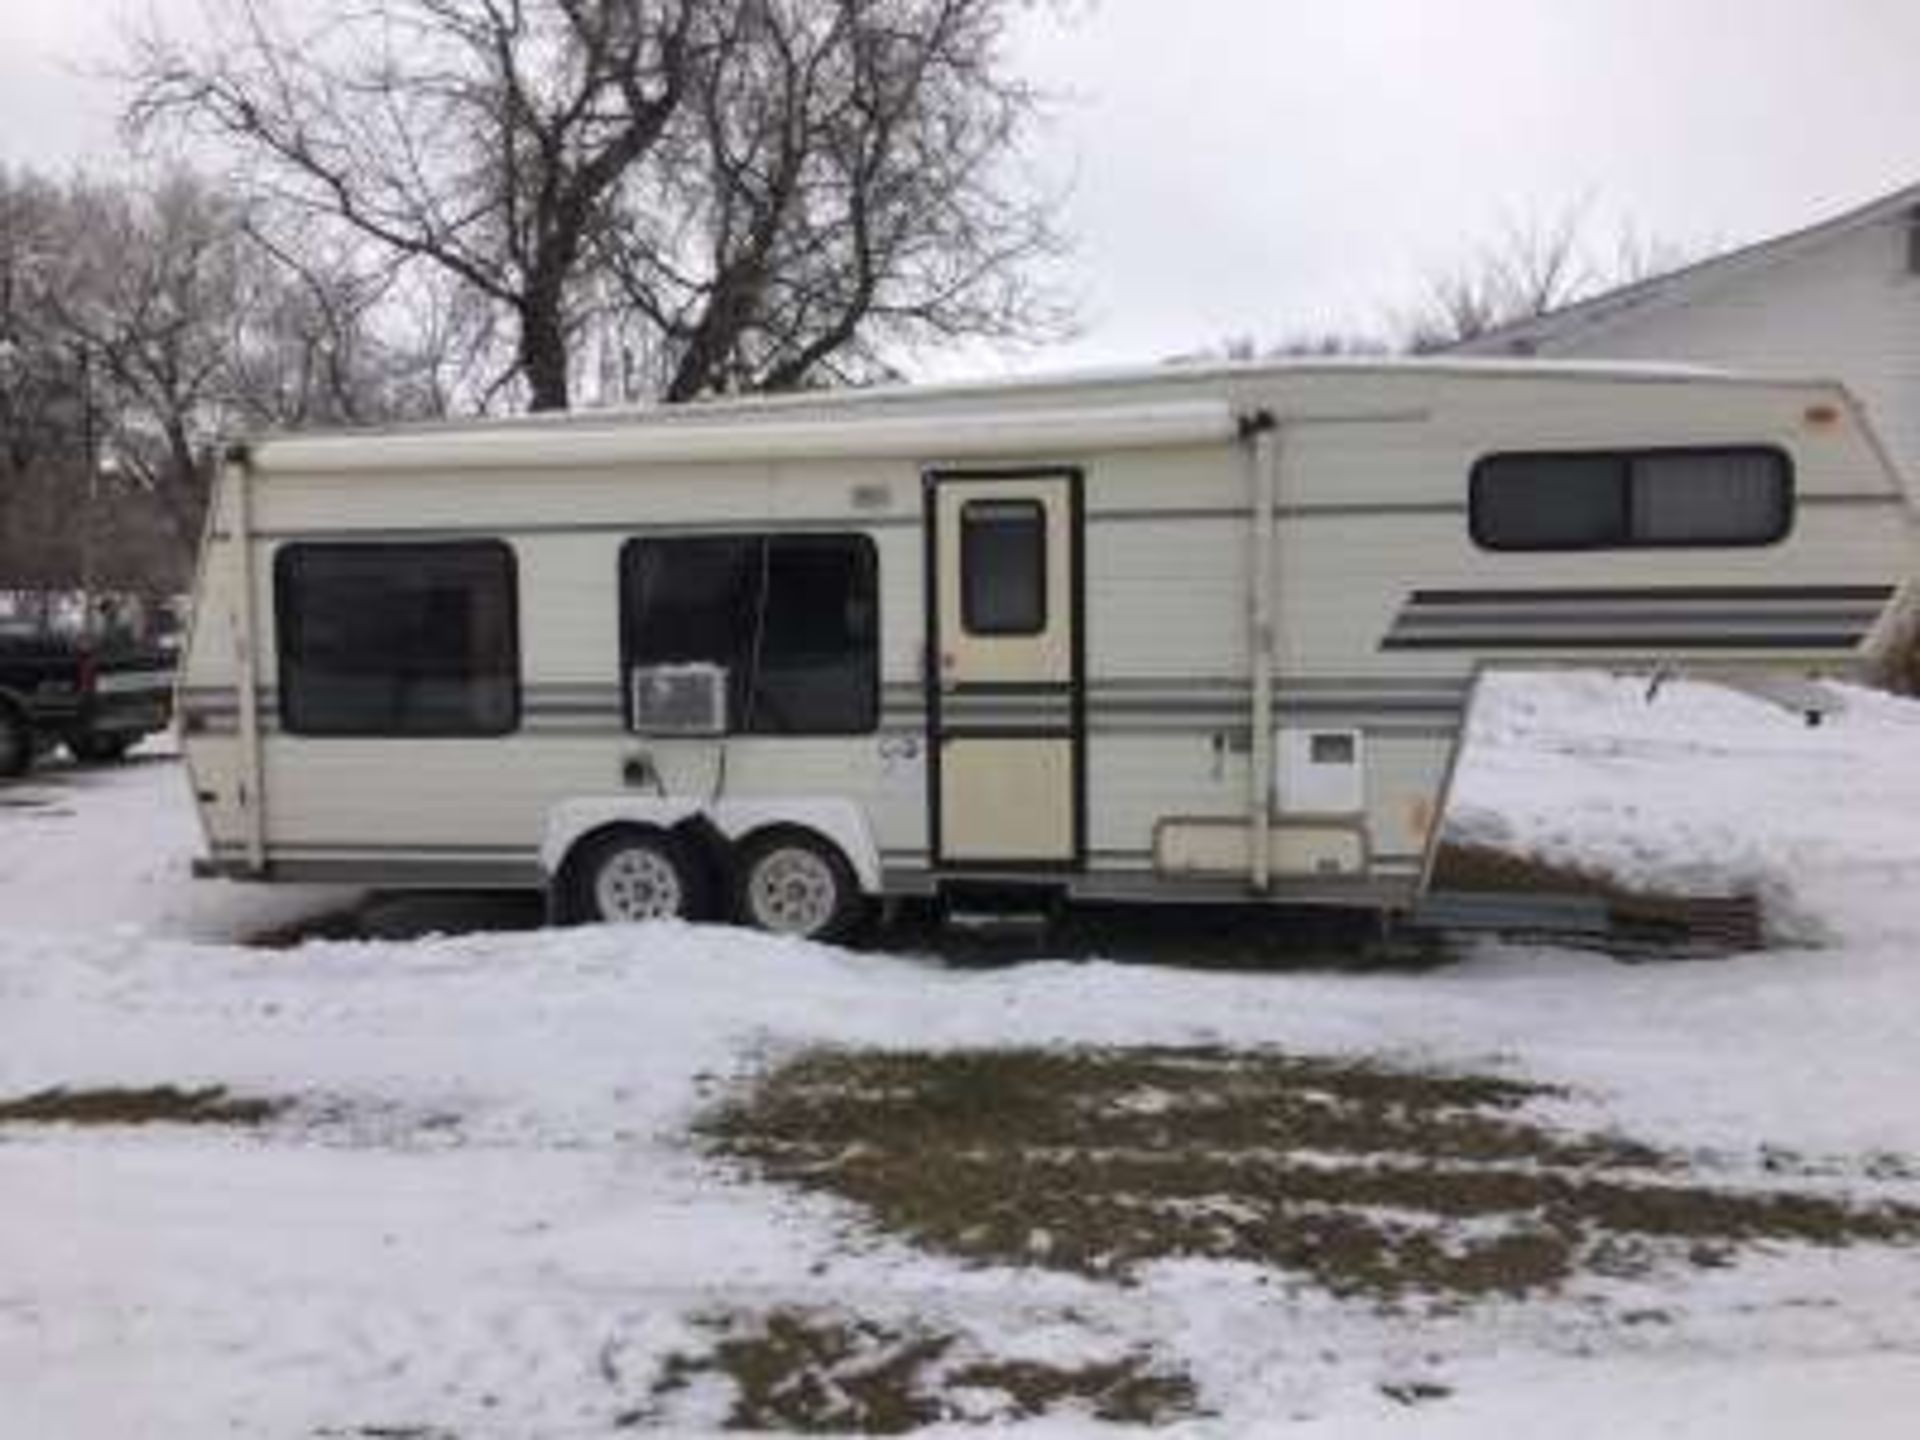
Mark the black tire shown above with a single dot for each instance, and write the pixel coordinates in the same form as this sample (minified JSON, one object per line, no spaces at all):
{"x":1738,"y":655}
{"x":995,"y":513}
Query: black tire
{"x":642,"y":865}
{"x":790,"y":881}
{"x":99,"y":749}
{"x":16,"y":743}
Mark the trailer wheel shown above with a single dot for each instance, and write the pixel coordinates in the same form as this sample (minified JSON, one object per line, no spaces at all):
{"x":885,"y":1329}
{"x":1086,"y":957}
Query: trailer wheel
{"x":789,"y":881}
{"x":16,"y":742}
{"x":631,"y":874}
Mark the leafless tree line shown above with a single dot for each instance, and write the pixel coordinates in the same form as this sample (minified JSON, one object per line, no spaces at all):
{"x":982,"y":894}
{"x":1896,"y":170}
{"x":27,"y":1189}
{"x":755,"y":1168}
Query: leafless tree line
{"x":1526,"y":268}
{"x":138,"y":322}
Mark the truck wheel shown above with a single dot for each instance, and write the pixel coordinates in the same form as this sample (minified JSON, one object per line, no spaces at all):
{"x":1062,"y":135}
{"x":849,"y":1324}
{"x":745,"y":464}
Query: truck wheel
{"x":633,"y":874}
{"x":792,"y":882}
{"x":16,"y":743}
{"x":99,"y":749}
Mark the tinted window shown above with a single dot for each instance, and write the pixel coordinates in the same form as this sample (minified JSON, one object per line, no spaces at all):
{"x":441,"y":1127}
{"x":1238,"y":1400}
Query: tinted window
{"x":1727,"y":497}
{"x":1620,"y":500}
{"x":411,"y":640}
{"x":1544,"y":502}
{"x":793,"y":618}
{"x":1003,"y":567}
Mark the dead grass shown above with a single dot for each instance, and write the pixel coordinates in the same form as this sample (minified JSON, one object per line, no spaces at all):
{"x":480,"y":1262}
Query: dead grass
{"x":810,"y":1371}
{"x":1481,"y":868}
{"x":1359,"y":1179}
{"x":153,"y":1105}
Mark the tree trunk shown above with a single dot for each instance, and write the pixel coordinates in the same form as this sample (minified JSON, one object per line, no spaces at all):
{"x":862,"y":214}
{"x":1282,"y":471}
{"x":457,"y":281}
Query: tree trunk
{"x":543,"y":355}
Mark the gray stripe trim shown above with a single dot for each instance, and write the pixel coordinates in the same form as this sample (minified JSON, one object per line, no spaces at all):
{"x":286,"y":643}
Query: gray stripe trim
{"x":611,"y":723}
{"x":1238,"y":734}
{"x":416,"y":848}
{"x":1791,"y":644}
{"x":534,"y":688}
{"x":508,"y":532}
{"x":987,"y":709}
{"x":1231,"y":723}
{"x":1241,"y":687}
{"x":1675,"y":594}
{"x":1773,"y":614}
{"x":1329,"y":511}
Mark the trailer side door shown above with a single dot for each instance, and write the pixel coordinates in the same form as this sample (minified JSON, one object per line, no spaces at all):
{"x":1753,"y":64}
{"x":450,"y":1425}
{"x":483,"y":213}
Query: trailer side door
{"x":1006,"y":704}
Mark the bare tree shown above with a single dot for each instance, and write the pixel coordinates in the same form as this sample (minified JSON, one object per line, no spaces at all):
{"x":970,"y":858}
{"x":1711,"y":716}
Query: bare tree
{"x":1530,"y":268}
{"x":1300,"y":344}
{"x":483,"y":137}
{"x":149,"y":291}
{"x":40,"y":390}
{"x":733,"y":193}
{"x":141,"y":323}
{"x":837,"y":185}
{"x":333,"y":336}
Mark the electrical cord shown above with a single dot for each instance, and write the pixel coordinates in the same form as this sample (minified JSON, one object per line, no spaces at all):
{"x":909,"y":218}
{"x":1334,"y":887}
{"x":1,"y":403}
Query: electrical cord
{"x":754,"y":652}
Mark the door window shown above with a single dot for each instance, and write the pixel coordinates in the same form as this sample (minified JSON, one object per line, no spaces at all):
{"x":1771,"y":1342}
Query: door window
{"x":1003,"y":567}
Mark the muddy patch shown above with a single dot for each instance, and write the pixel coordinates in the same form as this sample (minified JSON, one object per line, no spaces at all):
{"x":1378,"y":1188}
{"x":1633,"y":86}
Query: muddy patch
{"x":823,"y":1371}
{"x":152,"y":1105}
{"x":1358,"y":1179}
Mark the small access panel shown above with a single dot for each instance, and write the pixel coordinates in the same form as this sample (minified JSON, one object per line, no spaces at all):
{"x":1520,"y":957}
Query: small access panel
{"x":1006,"y":703}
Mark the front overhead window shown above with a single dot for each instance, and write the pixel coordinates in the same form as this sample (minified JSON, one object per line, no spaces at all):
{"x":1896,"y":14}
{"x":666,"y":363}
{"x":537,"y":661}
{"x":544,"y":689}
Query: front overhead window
{"x":1600,"y":500}
{"x":397,"y":640}
{"x":794,"y":619}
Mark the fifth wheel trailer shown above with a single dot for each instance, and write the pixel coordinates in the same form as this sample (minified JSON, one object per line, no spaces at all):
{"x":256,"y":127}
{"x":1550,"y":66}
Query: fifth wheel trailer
{"x":1176,"y":634}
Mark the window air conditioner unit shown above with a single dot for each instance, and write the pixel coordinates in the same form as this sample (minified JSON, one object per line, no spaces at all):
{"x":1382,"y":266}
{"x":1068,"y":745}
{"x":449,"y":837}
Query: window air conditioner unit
{"x":680,"y":699}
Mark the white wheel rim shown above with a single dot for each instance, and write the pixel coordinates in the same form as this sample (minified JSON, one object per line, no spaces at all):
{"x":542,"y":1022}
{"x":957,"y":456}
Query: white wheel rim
{"x":793,"y":891}
{"x":638,"y":884}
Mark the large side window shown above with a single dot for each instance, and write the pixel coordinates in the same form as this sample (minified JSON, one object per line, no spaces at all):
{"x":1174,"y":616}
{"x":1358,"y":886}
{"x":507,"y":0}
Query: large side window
{"x":402,"y":640}
{"x":1632,"y":499}
{"x":795,"y":619}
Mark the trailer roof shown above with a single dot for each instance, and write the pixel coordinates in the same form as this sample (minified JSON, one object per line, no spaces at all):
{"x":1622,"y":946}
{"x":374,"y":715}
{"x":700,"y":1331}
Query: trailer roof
{"x":1117,"y":393}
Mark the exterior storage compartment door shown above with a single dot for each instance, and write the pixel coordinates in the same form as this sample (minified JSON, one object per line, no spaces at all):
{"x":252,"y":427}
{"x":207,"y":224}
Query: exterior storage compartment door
{"x":1006,"y":704}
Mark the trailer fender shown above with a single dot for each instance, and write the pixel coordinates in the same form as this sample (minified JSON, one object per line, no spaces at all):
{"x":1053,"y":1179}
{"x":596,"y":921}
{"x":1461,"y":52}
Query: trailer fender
{"x":840,"y":821}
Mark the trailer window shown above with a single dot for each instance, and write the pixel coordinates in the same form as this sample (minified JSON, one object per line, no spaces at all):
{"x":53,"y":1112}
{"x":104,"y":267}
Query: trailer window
{"x":795,"y":620}
{"x":1003,"y":567}
{"x":1630,"y":499}
{"x":405,"y":640}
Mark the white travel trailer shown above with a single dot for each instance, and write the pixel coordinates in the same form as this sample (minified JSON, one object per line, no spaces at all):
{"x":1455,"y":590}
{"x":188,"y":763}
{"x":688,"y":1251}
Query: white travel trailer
{"x":1185,"y":633}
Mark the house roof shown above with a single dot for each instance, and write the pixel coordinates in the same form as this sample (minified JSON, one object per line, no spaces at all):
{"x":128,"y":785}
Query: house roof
{"x":1523,"y":337}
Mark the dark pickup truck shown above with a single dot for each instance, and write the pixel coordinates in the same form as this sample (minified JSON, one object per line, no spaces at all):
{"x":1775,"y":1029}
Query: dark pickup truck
{"x":96,"y":697}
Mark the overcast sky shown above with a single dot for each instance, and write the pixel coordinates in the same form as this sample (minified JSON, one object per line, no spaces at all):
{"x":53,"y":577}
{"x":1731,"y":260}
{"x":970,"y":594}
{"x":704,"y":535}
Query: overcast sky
{"x":1263,"y":167}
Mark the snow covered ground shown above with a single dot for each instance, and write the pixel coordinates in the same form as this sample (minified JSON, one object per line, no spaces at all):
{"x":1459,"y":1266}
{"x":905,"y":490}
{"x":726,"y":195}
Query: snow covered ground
{"x":484,"y":1218}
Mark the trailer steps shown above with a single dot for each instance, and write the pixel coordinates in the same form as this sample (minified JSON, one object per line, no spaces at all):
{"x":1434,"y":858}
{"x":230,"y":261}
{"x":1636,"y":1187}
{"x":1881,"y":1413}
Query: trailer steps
{"x":995,"y":924}
{"x":1649,"y":926}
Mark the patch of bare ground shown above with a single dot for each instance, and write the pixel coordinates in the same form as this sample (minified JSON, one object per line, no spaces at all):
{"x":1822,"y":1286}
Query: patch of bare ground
{"x":811,"y":1371}
{"x":150,"y":1105}
{"x":1363,"y":1180}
